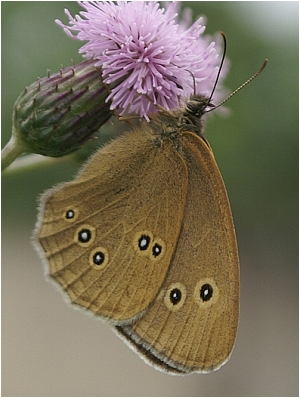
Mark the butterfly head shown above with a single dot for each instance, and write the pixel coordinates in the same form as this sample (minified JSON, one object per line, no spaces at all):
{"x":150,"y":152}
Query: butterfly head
{"x":196,"y":105}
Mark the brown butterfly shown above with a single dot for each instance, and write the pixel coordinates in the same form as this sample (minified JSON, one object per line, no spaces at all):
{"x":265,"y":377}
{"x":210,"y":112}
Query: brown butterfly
{"x":144,"y":238}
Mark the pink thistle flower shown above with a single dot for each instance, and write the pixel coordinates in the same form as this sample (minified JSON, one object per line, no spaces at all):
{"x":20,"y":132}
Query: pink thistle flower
{"x":145,"y":53}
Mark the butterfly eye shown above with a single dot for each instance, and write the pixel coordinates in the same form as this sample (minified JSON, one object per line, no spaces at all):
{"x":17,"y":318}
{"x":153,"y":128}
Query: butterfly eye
{"x":85,"y":235}
{"x":206,"y":292}
{"x":175,"y":296}
{"x":71,"y":214}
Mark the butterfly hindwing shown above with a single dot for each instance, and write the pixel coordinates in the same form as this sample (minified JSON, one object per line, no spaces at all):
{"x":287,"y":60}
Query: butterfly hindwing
{"x":192,"y":325}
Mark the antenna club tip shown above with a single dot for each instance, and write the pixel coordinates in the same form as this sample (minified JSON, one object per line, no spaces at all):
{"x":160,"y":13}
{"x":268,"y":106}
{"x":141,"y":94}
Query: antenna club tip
{"x":263,"y":65}
{"x":224,"y":39}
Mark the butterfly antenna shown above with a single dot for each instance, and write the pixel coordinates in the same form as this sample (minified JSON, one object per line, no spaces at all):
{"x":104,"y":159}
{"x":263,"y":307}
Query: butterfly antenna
{"x":242,"y":86}
{"x":220,"y":68}
{"x":218,"y":75}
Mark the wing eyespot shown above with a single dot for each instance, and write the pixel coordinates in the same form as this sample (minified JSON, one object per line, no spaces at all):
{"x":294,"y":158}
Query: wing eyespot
{"x":99,"y":258}
{"x":146,"y":245}
{"x":85,"y":235}
{"x":71,"y":214}
{"x":144,"y":242}
{"x":175,"y":296}
{"x":206,"y":292}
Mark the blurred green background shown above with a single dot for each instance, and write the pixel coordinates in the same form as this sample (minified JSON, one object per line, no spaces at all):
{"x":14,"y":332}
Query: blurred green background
{"x":50,"y":349}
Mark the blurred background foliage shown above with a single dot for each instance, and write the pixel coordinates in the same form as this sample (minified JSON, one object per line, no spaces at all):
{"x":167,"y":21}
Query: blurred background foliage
{"x":49,"y":349}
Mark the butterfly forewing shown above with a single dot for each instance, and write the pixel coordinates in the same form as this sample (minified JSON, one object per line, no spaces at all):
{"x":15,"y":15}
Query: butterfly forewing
{"x":109,"y":235}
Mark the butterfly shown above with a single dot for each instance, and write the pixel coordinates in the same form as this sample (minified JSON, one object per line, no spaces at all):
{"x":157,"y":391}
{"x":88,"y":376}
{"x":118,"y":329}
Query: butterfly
{"x":144,"y":238}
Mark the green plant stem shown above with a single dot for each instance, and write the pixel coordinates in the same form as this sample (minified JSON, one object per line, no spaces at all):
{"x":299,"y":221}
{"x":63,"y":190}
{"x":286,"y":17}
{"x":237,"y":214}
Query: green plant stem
{"x":32,"y":162}
{"x":13,"y":149}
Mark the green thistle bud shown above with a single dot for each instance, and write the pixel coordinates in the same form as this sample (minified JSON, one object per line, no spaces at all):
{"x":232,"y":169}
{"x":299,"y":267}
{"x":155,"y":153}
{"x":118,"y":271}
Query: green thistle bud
{"x":57,"y":114}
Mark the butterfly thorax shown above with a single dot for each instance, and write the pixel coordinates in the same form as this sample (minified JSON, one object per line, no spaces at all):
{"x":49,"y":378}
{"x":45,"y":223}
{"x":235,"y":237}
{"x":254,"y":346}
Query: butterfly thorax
{"x":170,"y":124}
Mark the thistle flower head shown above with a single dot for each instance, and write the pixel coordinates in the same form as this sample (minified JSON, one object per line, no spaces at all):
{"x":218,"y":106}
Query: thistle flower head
{"x":57,"y":114}
{"x":145,"y":53}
